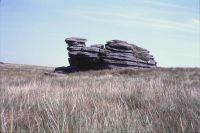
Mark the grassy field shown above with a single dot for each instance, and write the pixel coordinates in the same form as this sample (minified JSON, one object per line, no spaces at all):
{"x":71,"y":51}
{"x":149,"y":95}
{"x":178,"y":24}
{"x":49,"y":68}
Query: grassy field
{"x":155,"y":100}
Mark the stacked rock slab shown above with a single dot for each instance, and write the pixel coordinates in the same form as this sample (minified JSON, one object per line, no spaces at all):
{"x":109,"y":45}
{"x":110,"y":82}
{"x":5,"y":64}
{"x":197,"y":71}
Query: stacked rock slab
{"x":122,"y":54}
{"x":75,"y":46}
{"x":116,"y":54}
{"x":81,"y":56}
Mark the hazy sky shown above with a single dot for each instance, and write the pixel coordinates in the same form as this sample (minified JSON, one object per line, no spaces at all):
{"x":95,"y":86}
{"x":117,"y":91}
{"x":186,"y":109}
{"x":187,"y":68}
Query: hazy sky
{"x":33,"y":31}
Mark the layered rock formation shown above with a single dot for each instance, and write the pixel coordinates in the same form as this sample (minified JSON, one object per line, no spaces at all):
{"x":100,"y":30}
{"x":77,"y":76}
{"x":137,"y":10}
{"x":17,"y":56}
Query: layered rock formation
{"x":115,"y":54}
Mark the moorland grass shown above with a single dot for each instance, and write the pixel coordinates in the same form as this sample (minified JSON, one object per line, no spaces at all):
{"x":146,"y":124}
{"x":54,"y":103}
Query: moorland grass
{"x":154,"y":100}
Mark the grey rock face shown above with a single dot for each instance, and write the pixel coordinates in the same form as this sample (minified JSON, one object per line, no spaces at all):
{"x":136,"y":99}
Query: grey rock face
{"x":119,"y":62}
{"x":73,"y":48}
{"x":91,"y":49}
{"x":74,"y":40}
{"x":118,"y":50}
{"x":120,"y":45}
{"x":101,"y":46}
{"x":115,"y":54}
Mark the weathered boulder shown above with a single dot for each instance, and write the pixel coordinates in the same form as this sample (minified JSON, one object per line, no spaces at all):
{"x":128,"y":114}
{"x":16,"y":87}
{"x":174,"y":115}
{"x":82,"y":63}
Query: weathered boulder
{"x":115,"y":54}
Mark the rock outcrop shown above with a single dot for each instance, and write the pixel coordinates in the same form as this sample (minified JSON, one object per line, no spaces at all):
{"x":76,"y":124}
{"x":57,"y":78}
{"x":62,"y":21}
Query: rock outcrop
{"x":115,"y":54}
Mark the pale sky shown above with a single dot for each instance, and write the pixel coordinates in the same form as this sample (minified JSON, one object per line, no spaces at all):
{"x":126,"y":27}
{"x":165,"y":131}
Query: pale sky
{"x":33,"y":31}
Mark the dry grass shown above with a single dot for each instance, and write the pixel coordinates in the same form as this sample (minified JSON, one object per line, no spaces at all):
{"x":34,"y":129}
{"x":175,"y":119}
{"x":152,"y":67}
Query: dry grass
{"x":156,"y":100}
